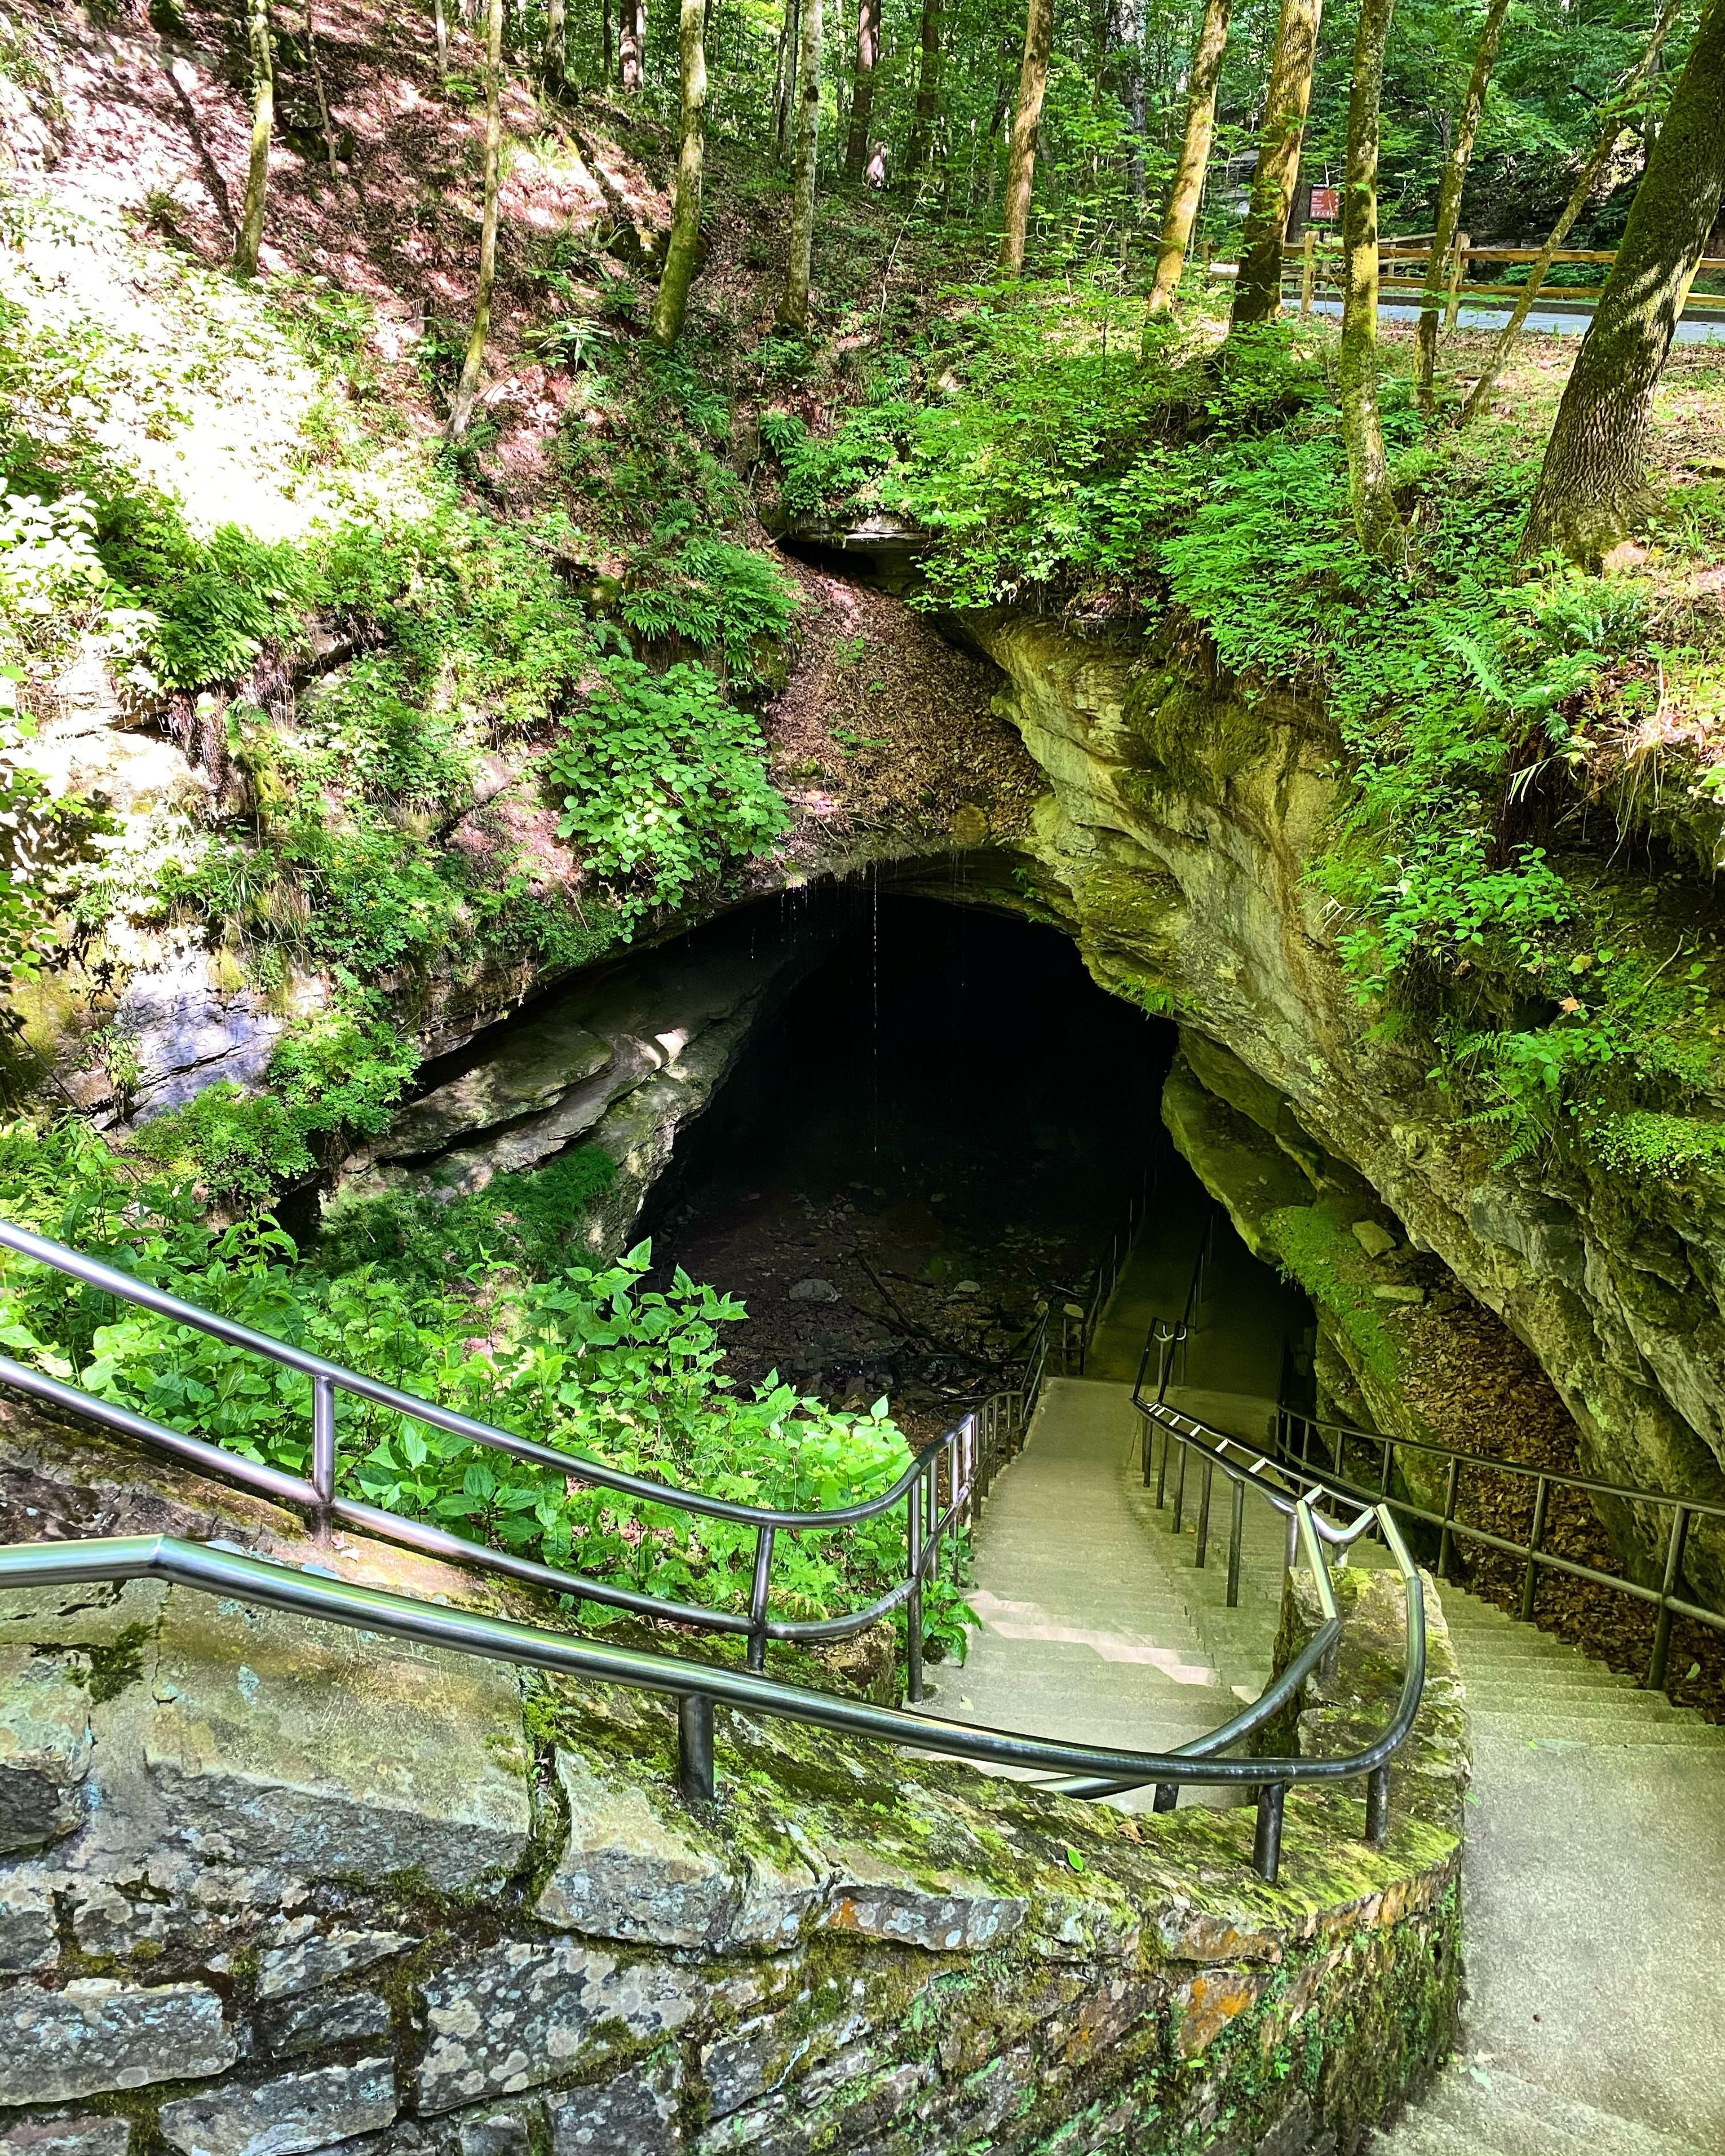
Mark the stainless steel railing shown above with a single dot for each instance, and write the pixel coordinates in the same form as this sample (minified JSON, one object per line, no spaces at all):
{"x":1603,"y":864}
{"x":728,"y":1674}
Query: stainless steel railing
{"x":1084,"y":1770}
{"x":1332,"y":1455}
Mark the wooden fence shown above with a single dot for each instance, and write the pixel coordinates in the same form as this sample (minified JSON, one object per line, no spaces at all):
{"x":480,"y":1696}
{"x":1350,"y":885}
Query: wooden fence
{"x":1403,"y":264}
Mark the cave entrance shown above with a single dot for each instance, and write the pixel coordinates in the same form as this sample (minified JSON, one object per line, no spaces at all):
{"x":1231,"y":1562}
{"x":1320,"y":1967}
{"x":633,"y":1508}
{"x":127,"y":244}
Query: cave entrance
{"x":934,"y":1133}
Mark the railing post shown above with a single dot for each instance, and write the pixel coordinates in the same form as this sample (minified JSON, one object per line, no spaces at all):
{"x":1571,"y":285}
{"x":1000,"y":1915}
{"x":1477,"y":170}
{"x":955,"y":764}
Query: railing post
{"x":913,"y":1603}
{"x":1167,"y":1795}
{"x":1204,"y":1513}
{"x":696,"y":1777}
{"x":1236,"y":1530}
{"x":1377,"y":1805}
{"x":1673,"y":1573}
{"x":1307,"y":265}
{"x":1388,"y":1468}
{"x":1162,"y":1468}
{"x":1266,"y":1839}
{"x":1447,"y":1541}
{"x":1180,"y":1487}
{"x":323,"y":1448}
{"x":1530,"y":1577}
{"x":757,"y":1597}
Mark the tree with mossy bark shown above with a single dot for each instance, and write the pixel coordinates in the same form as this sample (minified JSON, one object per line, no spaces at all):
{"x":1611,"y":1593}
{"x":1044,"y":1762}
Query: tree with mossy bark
{"x":1593,"y":487}
{"x":1026,"y":119}
{"x":467,"y":388}
{"x":1187,"y":185}
{"x":632,"y":44}
{"x":793,"y":302}
{"x":257,"y":178}
{"x":1620,"y":113}
{"x":1375,"y":517}
{"x":684,"y":248}
{"x":1257,"y":292}
{"x":1448,"y":203}
{"x":556,"y":31}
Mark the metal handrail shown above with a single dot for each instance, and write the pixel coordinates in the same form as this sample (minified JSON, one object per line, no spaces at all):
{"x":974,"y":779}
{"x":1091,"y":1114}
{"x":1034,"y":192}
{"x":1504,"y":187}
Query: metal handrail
{"x":1093,"y":1770}
{"x":965,"y":1459}
{"x":1292,"y":1424}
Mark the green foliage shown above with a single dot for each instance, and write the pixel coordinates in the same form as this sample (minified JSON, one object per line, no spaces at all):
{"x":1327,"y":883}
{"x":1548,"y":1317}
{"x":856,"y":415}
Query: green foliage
{"x":522,"y":1218}
{"x":664,"y":783}
{"x":729,"y":600}
{"x":340,"y":1075}
{"x":1317,"y":1250}
{"x":585,"y":1359}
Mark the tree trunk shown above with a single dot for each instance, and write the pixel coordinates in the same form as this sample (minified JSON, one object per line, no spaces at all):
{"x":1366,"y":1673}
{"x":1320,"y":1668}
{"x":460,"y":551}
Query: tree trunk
{"x":1448,"y":203}
{"x":928,"y":90}
{"x":323,"y":103}
{"x":680,"y":257}
{"x":605,"y":43}
{"x":784,"y":76}
{"x":1187,"y":186}
{"x":1593,"y":484}
{"x":1618,"y":116}
{"x":862,"y":102}
{"x":555,"y":42}
{"x":1027,"y":117}
{"x":257,"y":178}
{"x":440,"y":19}
{"x":793,"y":306}
{"x":1374,"y":511}
{"x":1257,"y":296}
{"x":632,"y":42}
{"x":467,"y":388}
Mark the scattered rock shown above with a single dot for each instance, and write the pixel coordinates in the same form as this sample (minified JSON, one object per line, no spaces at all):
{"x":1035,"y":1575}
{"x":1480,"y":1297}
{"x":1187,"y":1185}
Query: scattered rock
{"x":1389,"y":1293}
{"x":815,"y":1290}
{"x":1374,"y":1239}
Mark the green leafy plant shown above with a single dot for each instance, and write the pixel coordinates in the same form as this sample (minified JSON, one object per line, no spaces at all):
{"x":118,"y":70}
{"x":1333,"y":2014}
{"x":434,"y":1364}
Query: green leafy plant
{"x":663,"y":784}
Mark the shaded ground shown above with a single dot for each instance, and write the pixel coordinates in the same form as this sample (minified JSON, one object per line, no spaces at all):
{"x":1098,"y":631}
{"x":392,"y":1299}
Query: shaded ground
{"x":935,"y":1139}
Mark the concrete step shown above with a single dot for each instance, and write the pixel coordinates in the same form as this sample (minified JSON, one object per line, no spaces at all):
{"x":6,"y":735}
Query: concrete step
{"x":1580,"y":1704}
{"x":1488,"y":2107}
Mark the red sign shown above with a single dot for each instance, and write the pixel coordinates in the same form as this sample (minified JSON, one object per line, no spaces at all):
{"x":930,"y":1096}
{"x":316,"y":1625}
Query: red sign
{"x":1326,"y":205}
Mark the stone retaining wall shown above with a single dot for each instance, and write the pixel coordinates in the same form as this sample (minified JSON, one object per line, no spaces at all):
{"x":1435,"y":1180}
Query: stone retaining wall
{"x":272,"y":1886}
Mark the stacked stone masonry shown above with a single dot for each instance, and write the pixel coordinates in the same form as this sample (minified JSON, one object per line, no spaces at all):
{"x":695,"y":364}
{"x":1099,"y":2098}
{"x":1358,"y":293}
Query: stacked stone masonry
{"x":270,"y":1887}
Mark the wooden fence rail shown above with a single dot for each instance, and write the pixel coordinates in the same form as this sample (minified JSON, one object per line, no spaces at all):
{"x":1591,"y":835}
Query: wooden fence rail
{"x":1403,"y":264}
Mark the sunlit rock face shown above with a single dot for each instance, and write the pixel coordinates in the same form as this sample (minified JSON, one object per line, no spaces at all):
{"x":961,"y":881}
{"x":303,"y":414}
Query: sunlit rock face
{"x":1175,"y":844}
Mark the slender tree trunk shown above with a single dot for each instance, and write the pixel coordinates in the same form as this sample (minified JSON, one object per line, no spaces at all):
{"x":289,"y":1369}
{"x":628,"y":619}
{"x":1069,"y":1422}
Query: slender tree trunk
{"x":467,"y":389}
{"x":257,"y":178}
{"x":605,"y":43}
{"x":928,"y":90}
{"x":793,"y":306}
{"x":862,"y":102}
{"x":1257,"y":296}
{"x":556,"y":42}
{"x":1594,"y":483}
{"x":323,"y":103}
{"x":440,"y":17}
{"x":1620,"y":112}
{"x":1374,"y":511}
{"x":680,"y":257}
{"x":1027,"y":117}
{"x":784,"y":78}
{"x":1186,"y":188}
{"x":632,"y":43}
{"x":1449,"y":202}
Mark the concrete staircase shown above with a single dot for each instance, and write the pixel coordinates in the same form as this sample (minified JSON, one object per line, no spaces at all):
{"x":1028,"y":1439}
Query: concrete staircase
{"x":1594,"y":1914}
{"x":1594,"y":2020}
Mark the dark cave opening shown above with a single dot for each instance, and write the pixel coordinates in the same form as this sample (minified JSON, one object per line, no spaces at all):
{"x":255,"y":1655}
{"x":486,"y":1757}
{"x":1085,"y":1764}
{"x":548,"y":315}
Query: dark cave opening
{"x":934,"y":1135}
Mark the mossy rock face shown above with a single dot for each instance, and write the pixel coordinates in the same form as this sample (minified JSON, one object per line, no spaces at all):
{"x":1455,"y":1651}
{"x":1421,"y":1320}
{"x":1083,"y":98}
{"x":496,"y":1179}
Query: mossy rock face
{"x":404,"y":1889}
{"x":1177,"y":845}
